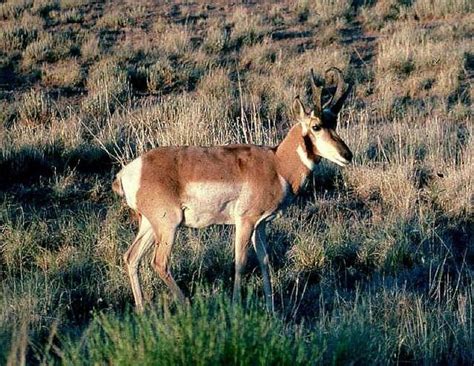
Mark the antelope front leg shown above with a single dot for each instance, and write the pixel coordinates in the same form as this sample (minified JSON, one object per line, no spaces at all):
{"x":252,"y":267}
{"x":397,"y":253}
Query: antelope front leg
{"x":260,"y":246}
{"x":243,"y":232}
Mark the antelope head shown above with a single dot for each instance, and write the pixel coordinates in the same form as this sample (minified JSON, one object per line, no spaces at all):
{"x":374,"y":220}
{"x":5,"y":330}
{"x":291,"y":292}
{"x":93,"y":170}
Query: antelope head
{"x":319,"y":125}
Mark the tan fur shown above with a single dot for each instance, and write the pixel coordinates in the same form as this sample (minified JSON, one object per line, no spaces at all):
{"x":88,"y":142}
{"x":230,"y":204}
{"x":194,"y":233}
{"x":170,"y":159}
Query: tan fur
{"x":241,"y":185}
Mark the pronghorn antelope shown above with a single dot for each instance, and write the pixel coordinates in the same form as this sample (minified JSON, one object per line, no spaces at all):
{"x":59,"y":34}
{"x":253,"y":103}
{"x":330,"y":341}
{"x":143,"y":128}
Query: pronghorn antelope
{"x":242,"y":185}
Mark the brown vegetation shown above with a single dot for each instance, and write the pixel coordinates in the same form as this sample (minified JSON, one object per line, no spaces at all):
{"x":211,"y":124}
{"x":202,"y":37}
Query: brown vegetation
{"x":378,"y":256}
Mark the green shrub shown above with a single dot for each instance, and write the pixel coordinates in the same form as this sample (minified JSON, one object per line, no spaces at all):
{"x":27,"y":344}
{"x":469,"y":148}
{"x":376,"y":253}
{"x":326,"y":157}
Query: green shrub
{"x":208,"y":332}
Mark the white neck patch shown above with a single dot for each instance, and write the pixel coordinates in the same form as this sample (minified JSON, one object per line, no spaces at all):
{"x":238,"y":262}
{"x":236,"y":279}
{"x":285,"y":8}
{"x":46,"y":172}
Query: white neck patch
{"x":304,"y":128}
{"x":307,"y":162}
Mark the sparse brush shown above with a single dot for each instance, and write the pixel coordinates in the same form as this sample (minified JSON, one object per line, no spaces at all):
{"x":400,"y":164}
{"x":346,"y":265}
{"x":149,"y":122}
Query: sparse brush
{"x":267,"y":93}
{"x":159,"y":76}
{"x":454,"y":193}
{"x":91,"y":48}
{"x":248,"y":28}
{"x":216,"y":84}
{"x":72,"y":4}
{"x":260,"y":56}
{"x":14,"y":8}
{"x":322,"y":10}
{"x":426,"y":9}
{"x":21,"y":243}
{"x":47,"y":48}
{"x":43,"y":7}
{"x":168,"y":123}
{"x":414,"y":63}
{"x":113,"y":20}
{"x":16,"y":38}
{"x":63,"y":74}
{"x":32,"y":22}
{"x":394,"y":187}
{"x":71,"y":16}
{"x":35,"y":108}
{"x":39,"y":51}
{"x":108,"y":88}
{"x":217,"y":38}
{"x":137,"y":12}
{"x":174,"y":40}
{"x":293,"y":71}
{"x":382,"y":12}
{"x":307,"y":254}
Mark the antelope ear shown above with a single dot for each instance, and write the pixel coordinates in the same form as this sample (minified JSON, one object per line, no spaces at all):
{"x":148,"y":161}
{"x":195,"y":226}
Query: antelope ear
{"x":298,"y":109}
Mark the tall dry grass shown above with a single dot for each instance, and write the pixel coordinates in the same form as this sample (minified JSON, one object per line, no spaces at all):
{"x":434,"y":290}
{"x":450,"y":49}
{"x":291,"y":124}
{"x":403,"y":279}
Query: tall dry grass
{"x":376,"y":257}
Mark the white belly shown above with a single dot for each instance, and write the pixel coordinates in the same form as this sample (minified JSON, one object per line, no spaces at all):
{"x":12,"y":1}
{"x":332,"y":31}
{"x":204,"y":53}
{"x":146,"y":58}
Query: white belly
{"x":208,"y":203}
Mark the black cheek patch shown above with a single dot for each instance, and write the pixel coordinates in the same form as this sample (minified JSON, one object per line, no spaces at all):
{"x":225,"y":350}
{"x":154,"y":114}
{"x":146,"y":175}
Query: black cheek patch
{"x":310,"y":149}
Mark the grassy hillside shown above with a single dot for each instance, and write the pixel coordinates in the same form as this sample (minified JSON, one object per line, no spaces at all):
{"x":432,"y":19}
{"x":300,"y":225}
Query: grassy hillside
{"x":374,"y":264}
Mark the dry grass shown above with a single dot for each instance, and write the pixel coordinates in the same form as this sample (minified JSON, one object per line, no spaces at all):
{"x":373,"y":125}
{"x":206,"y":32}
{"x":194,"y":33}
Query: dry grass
{"x":39,"y":51}
{"x":414,"y":62}
{"x":217,"y":38}
{"x":322,"y":11}
{"x":43,"y":7}
{"x":13,"y":8}
{"x":90,"y":48}
{"x":379,"y":14}
{"x":376,"y":257}
{"x":64,"y":74}
{"x":107,"y":87}
{"x":36,"y":108}
{"x":113,"y":20}
{"x":427,"y":9}
{"x":247,"y":28}
{"x":15,"y":37}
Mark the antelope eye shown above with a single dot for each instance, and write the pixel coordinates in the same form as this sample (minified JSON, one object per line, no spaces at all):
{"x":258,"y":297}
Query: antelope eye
{"x":316,"y":128}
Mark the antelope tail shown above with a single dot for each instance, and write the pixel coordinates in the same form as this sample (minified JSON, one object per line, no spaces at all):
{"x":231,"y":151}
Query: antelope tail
{"x":117,"y":185}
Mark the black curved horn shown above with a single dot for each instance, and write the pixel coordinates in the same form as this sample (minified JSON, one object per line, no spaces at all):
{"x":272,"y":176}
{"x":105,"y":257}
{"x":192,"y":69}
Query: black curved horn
{"x":340,"y":96}
{"x":317,"y":95}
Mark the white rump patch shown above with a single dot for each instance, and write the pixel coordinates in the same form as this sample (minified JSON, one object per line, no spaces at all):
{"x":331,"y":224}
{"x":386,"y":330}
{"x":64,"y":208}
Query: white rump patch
{"x":131,"y":177}
{"x":307,"y":162}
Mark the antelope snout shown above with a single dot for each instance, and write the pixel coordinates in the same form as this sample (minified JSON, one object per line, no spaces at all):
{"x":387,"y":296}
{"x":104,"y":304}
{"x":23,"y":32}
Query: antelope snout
{"x":347,"y":154}
{"x":344,"y":157}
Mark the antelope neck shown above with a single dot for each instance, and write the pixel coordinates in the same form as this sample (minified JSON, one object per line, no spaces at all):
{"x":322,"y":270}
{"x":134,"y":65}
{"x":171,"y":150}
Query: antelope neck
{"x":296,"y":158}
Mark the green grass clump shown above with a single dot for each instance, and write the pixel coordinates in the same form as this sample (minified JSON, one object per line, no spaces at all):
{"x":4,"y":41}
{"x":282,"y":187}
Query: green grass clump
{"x":384,"y":326}
{"x":208,"y":332}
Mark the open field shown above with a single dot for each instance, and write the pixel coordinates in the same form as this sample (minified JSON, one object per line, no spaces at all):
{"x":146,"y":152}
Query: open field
{"x":374,"y":264}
